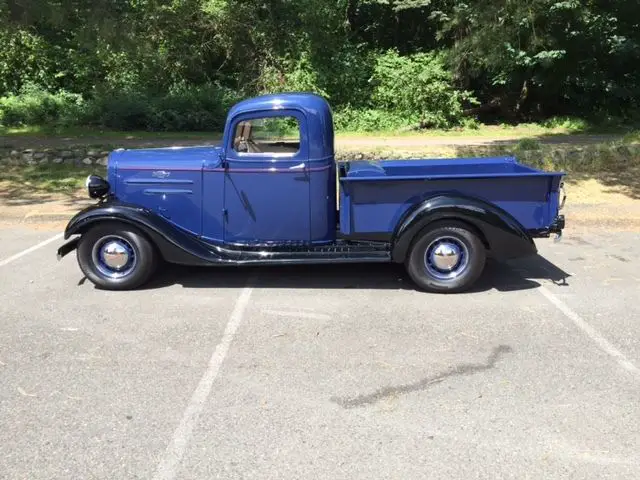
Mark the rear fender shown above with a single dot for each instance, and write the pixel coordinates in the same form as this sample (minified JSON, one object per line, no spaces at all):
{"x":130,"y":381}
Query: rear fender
{"x":503,"y":236}
{"x":174,"y":245}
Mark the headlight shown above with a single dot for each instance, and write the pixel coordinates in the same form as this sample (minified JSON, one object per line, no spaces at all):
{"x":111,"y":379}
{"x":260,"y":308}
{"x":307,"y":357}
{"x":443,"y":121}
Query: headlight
{"x":97,"y":186}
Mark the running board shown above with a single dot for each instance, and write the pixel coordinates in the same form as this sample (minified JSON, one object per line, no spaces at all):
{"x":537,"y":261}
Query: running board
{"x":334,"y":253}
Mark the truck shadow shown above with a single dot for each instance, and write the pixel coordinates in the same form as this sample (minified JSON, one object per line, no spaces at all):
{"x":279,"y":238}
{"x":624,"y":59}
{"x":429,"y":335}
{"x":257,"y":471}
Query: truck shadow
{"x":504,"y":277}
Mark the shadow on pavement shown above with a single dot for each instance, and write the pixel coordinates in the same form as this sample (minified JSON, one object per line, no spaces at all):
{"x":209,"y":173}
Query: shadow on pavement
{"x":514,"y":276}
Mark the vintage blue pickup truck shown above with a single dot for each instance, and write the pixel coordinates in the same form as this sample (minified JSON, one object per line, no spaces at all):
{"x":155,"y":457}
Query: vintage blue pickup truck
{"x":272,"y":193}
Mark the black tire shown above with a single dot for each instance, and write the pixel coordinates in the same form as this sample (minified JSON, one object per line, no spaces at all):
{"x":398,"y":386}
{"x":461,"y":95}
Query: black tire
{"x":427,"y":276}
{"x":138,"y":272}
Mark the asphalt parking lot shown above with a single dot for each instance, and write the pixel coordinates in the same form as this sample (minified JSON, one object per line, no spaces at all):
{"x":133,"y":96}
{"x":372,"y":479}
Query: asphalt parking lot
{"x":323,"y":372}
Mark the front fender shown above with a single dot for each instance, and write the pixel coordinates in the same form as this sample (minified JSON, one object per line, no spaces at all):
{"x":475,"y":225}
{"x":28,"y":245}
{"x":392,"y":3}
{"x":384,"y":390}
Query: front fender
{"x":502,"y":234}
{"x":173,"y":244}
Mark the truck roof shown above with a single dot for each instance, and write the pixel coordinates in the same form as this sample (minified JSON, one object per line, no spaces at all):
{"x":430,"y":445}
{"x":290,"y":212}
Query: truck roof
{"x":310,"y":103}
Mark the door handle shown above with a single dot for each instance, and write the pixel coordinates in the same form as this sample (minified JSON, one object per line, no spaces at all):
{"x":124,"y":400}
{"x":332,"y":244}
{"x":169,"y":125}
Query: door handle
{"x":300,"y":166}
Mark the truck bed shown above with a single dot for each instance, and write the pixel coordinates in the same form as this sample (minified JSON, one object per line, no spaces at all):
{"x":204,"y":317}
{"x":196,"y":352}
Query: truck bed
{"x":374,"y":195}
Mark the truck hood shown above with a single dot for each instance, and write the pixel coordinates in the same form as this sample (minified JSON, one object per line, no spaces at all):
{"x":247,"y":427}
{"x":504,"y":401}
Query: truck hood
{"x":164,"y":158}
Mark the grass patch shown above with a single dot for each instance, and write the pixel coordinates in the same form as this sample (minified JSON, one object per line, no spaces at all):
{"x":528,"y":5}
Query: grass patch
{"x":62,"y":178}
{"x":632,"y":137}
{"x":88,"y":132}
{"x":501,"y":131}
{"x":479,"y":131}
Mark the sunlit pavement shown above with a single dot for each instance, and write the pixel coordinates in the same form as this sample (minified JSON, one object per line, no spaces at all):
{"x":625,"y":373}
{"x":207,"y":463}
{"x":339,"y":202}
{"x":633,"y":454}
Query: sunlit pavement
{"x":323,"y":372}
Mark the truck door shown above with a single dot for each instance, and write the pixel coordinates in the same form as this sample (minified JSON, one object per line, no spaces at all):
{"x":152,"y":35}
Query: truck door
{"x":266,"y":179}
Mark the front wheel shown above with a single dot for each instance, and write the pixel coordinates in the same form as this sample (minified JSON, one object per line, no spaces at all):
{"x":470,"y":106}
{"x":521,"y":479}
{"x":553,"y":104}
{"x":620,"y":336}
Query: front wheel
{"x":116,"y":257}
{"x":446,"y":258}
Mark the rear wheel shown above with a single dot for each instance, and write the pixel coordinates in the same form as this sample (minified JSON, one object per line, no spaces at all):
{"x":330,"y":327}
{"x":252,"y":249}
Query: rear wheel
{"x":116,"y":257}
{"x":446,"y":258}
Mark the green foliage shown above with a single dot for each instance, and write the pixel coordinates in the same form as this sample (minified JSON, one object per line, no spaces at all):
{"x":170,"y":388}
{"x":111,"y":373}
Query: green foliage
{"x":418,"y":85}
{"x":632,"y":137}
{"x":528,"y":144}
{"x":570,"y":124}
{"x":296,"y":76}
{"x":276,"y":128}
{"x":181,"y":109}
{"x":542,"y":58}
{"x":372,"y":120}
{"x":35,"y":106}
{"x":386,"y":63}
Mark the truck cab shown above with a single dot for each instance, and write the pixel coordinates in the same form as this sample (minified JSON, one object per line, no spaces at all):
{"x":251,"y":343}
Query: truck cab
{"x":279,"y":171}
{"x":270,"y":180}
{"x":272,"y":192}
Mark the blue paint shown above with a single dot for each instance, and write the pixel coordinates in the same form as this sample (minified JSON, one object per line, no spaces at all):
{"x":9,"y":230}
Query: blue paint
{"x":253,"y":198}
{"x":134,"y":170}
{"x":212,"y":203}
{"x":322,"y":195}
{"x":375,"y":195}
{"x":284,"y":197}
{"x":257,"y":185}
{"x":226,"y":195}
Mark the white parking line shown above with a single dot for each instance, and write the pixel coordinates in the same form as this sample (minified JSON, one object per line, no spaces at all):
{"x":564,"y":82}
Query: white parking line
{"x":169,"y":463}
{"x":591,"y":332}
{"x":298,"y":314}
{"x":6,"y":261}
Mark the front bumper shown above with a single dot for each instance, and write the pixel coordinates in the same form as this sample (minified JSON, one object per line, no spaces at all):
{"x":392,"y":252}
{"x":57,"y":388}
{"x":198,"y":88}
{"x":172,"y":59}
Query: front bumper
{"x":67,"y":248}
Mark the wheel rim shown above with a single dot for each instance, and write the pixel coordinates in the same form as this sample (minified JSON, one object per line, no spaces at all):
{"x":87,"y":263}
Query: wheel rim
{"x":446,"y":258}
{"x":114,"y":257}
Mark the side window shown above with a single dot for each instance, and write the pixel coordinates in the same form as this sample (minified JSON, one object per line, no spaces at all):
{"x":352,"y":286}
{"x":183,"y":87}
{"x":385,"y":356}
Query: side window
{"x":268,"y":135}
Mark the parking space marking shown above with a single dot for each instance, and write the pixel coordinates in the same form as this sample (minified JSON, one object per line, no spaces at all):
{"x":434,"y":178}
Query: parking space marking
{"x":168,"y":465}
{"x":6,"y":261}
{"x":591,"y":332}
{"x":298,"y":314}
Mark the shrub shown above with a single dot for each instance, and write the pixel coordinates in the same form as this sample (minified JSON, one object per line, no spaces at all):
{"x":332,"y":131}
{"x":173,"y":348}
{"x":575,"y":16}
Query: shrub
{"x":119,"y":111}
{"x":370,"y":120}
{"x":180,"y":109}
{"x":298,"y":75}
{"x":191,"y":108}
{"x":571,"y":124}
{"x":35,"y":106}
{"x":418,"y":85}
{"x":528,"y":144}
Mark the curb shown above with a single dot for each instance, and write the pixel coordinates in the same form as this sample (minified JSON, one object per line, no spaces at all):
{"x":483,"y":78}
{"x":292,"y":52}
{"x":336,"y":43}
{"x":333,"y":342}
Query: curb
{"x":44,"y":217}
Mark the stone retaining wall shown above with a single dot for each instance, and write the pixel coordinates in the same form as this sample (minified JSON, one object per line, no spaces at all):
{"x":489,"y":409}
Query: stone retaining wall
{"x":585,"y":158}
{"x":570,"y":158}
{"x":73,"y":156}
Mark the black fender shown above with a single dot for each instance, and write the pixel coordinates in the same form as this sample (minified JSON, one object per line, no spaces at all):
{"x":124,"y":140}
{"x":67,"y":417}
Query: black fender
{"x":173,"y":244}
{"x":178,"y":246}
{"x":503,"y":236}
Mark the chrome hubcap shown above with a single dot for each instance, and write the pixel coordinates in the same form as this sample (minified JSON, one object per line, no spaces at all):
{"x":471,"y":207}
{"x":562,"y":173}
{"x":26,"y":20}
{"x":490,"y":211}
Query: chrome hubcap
{"x":114,"y":257}
{"x":446,"y":258}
